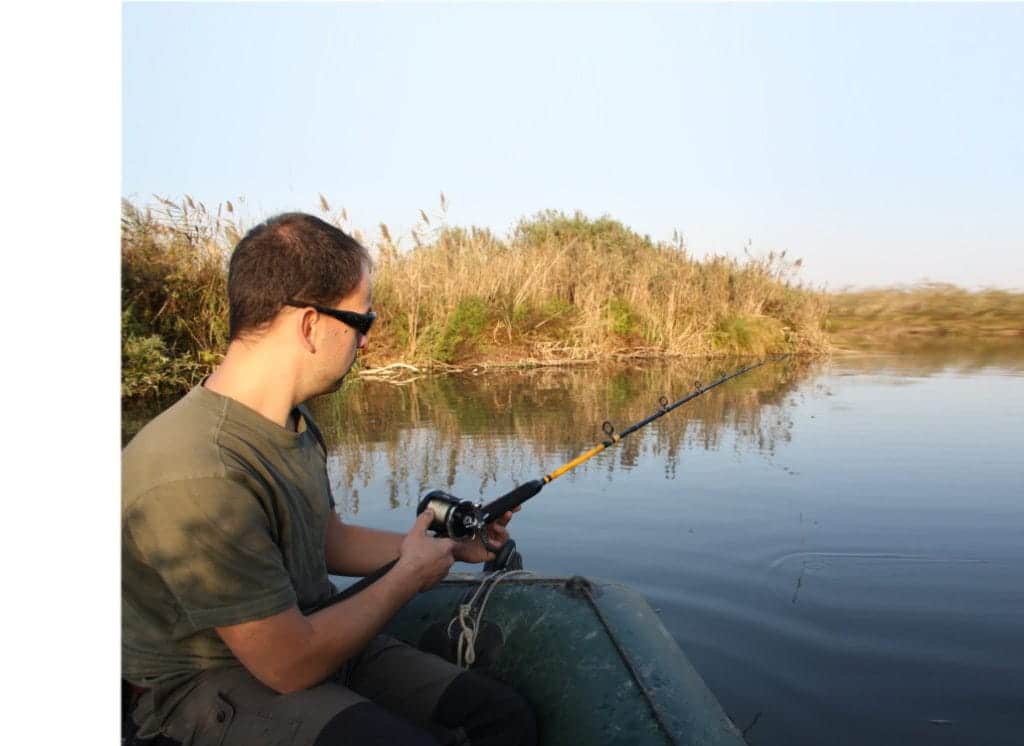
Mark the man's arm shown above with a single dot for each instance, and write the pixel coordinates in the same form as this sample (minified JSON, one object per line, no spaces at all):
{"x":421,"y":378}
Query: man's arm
{"x":357,"y":550}
{"x":289,"y":651}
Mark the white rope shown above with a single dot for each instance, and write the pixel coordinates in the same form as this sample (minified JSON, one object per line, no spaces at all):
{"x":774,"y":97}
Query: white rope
{"x":466,"y":647}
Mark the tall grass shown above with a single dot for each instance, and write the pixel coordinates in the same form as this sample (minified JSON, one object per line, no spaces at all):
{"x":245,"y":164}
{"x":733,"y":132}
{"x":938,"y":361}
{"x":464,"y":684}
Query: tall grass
{"x":558,"y":288}
{"x":930,"y":310}
{"x":173,"y":295}
{"x":569,"y":287}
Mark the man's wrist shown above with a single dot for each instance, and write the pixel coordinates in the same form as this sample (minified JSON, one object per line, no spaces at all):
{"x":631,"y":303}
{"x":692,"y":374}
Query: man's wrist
{"x":405,"y":577}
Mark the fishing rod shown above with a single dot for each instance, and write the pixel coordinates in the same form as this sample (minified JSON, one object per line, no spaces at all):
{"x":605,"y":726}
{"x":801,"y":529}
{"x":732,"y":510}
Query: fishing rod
{"x":463,"y":520}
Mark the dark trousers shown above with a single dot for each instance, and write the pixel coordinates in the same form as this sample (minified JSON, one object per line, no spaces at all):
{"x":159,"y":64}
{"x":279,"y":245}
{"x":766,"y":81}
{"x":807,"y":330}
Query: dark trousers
{"x":389,"y":694}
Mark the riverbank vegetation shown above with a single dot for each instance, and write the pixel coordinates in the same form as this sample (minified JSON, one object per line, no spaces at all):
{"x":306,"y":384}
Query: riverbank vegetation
{"x":173,"y":296}
{"x":923,"y":313}
{"x":559,"y":289}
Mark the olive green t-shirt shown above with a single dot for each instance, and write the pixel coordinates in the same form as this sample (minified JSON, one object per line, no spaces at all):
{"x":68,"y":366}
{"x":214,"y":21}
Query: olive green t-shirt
{"x":224,"y":515}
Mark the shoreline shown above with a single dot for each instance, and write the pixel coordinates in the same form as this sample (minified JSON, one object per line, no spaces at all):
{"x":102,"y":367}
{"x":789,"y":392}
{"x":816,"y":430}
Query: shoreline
{"x":903,"y":344}
{"x":391,"y":371}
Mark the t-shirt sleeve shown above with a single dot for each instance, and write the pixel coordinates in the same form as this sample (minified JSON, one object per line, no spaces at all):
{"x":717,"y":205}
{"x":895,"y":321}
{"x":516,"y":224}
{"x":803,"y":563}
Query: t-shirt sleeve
{"x":210,"y":542}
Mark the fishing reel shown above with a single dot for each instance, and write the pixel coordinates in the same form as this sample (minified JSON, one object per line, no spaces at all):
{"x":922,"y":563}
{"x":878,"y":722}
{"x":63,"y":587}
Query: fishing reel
{"x":453,"y":518}
{"x":464,"y":521}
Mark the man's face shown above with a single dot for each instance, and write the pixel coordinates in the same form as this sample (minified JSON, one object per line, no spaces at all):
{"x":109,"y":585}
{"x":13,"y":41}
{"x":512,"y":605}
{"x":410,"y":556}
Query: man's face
{"x":340,"y":342}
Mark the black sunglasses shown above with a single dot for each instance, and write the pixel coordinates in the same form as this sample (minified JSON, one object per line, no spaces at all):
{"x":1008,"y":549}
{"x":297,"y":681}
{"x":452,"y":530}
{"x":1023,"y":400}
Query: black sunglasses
{"x":361,"y":322}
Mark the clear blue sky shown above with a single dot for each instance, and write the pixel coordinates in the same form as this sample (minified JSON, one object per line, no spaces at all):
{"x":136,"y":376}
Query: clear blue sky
{"x":881,"y":143}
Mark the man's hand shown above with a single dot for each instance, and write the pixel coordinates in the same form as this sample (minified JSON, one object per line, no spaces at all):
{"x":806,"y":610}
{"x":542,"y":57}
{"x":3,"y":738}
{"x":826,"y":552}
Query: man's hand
{"x":474,"y":550}
{"x":426,"y":558}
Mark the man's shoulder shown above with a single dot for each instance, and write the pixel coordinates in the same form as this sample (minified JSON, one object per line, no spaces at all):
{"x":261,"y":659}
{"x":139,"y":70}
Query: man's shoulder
{"x":179,"y":444}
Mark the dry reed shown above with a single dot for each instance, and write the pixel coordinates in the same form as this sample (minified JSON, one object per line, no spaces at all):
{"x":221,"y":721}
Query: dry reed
{"x":564,"y":287}
{"x":558,"y":289}
{"x":899,"y":314}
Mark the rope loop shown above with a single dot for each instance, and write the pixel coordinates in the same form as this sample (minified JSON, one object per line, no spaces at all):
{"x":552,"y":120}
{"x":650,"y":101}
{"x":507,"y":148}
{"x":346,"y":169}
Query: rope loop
{"x":470,"y":624}
{"x":663,"y":403}
{"x":608,"y":428}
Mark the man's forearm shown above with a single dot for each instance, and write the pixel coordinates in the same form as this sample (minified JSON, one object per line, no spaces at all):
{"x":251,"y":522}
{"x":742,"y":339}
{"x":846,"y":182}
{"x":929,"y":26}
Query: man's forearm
{"x":357,"y":550}
{"x":289,"y":652}
{"x":342,"y":630}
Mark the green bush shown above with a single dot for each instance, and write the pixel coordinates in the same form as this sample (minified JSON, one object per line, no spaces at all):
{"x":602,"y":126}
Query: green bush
{"x":461,"y":335}
{"x":603,"y":233}
{"x":741,"y":334}
{"x":621,"y":319}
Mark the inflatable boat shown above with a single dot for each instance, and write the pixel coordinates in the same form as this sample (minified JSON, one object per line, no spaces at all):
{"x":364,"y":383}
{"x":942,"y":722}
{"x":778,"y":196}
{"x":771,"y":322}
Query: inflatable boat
{"x":592,"y":657}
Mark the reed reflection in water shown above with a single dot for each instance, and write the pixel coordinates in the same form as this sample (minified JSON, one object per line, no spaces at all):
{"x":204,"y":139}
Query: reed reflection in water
{"x":486,"y":433}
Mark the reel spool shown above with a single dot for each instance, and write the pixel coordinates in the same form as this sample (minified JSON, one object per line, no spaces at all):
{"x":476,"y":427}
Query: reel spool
{"x":454,"y":518}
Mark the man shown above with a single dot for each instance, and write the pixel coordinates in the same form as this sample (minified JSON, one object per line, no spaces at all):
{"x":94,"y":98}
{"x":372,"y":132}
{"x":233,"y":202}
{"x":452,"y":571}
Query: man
{"x":229,"y":533}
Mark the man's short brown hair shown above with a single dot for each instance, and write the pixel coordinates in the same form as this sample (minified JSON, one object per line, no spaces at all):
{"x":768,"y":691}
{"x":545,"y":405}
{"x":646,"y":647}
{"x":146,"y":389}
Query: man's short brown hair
{"x":293,"y":256}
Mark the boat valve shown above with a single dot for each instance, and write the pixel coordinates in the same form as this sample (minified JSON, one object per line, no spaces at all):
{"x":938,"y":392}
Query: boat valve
{"x":454,"y":518}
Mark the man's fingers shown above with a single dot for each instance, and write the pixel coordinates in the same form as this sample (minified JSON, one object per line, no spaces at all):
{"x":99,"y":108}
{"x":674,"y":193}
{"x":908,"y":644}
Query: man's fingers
{"x":423,"y":521}
{"x":497,"y":535}
{"x":449,"y":545}
{"x":507,"y":516}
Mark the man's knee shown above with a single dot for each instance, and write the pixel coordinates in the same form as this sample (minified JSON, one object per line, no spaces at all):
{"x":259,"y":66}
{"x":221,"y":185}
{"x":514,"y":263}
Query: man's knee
{"x":490,"y":713}
{"x":367,"y":724}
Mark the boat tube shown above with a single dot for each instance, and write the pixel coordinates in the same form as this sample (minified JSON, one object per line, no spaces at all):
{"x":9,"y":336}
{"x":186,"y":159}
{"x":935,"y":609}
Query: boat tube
{"x":592,"y":657}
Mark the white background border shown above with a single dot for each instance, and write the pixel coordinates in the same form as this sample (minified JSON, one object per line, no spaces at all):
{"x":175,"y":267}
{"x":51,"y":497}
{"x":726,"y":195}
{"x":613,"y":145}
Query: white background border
{"x":61,"y":135}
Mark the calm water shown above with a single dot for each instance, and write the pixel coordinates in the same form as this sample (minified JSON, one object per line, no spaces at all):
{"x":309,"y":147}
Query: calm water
{"x":838,"y":547}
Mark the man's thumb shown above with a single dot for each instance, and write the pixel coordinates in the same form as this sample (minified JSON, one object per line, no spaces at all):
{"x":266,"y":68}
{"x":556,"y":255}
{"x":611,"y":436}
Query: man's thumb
{"x":423,"y":520}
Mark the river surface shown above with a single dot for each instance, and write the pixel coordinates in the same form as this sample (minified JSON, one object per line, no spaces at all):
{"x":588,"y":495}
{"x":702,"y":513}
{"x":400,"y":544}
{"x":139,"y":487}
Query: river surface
{"x":838,"y":546}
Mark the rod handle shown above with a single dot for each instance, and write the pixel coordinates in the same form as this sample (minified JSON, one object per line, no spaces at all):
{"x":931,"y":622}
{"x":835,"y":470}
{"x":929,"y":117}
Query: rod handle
{"x":510,"y":500}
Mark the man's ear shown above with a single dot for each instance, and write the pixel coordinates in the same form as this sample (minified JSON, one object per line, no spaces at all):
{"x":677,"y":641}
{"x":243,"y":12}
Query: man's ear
{"x":307,"y":329}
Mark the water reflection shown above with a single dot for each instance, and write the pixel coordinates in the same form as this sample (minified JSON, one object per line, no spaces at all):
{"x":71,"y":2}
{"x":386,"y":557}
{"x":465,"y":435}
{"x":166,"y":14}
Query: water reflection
{"x":363,"y":411}
{"x":505,"y":428}
{"x":931,"y":356}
